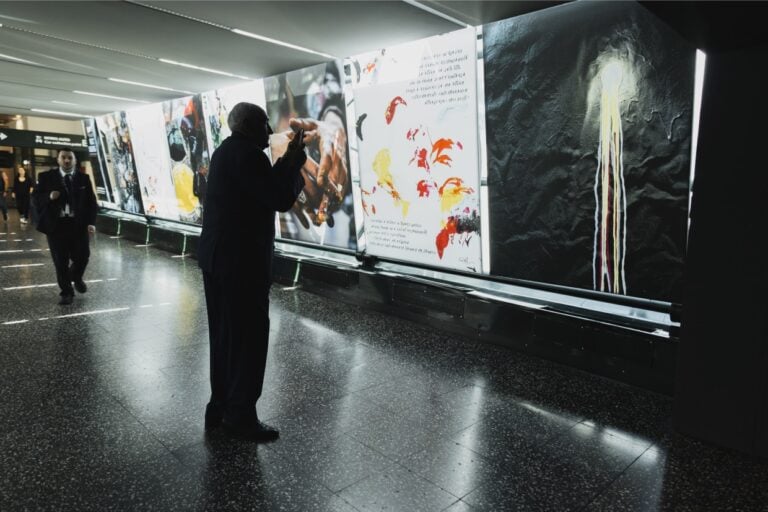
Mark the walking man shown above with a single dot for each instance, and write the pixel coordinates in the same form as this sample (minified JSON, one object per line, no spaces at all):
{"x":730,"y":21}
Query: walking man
{"x":67,"y":210}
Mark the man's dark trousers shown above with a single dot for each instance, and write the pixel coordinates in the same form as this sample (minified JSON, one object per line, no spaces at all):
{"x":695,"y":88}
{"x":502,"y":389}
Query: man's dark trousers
{"x":238,"y":323}
{"x":69,"y":242}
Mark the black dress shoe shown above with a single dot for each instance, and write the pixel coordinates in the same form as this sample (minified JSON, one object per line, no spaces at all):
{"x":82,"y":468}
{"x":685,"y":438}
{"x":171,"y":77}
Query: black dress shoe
{"x":80,"y":286}
{"x":252,"y":430}
{"x":66,"y":300}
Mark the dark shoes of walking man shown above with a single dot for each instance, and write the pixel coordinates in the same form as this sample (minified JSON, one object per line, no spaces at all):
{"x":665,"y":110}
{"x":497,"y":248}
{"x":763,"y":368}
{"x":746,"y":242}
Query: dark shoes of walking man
{"x":67,"y":209}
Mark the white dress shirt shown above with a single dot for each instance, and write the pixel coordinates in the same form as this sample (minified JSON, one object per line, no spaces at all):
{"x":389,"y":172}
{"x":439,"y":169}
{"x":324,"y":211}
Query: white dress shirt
{"x":67,"y":211}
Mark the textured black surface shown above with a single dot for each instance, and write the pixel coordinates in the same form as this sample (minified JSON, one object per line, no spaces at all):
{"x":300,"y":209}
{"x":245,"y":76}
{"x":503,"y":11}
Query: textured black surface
{"x":542,"y":114}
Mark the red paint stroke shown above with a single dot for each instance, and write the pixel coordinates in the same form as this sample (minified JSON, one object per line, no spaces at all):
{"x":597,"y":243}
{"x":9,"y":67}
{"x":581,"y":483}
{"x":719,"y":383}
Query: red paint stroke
{"x":444,"y":236}
{"x":423,"y":187}
{"x":373,"y":209}
{"x":411,"y":135}
{"x":462,"y":227}
{"x":420,"y":155}
{"x":390,"y":113}
{"x":459,"y":144}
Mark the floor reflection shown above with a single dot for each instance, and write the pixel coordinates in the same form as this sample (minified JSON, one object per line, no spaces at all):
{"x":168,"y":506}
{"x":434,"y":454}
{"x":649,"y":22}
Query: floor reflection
{"x":101,"y":407}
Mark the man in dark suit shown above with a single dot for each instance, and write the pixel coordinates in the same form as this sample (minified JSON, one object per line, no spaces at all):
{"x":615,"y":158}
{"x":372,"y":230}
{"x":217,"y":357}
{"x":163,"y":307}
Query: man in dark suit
{"x":66,"y":208}
{"x":235,"y":254}
{"x":3,"y":194}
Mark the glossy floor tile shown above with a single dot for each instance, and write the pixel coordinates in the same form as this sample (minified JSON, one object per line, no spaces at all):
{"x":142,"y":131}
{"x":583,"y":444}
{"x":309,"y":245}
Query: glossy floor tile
{"x":101,"y":408}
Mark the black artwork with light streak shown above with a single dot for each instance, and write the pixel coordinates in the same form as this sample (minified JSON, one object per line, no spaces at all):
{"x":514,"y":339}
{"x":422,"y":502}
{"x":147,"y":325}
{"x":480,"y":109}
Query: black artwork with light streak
{"x":543,"y":118}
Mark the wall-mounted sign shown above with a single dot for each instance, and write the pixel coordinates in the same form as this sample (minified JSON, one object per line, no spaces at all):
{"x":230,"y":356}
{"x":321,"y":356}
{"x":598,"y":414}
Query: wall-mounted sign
{"x":30,"y":139}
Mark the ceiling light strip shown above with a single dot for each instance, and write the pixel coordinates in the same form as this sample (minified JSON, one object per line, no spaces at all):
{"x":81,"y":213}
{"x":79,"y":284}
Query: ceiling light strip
{"x":151,"y":86}
{"x":178,"y":14}
{"x":81,"y":43}
{"x":437,"y":13}
{"x":200,"y":68}
{"x":86,"y":93}
{"x":132,"y":54}
{"x":280,"y":43}
{"x":234,"y":30}
{"x":70,"y":114}
{"x":17,"y":59}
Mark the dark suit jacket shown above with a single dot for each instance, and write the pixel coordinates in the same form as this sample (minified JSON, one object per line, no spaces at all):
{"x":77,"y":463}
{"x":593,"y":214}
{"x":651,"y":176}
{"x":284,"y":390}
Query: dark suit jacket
{"x":244,"y":192}
{"x":83,"y":201}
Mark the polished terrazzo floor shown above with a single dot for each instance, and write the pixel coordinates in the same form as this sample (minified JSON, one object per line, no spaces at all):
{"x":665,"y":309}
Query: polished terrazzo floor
{"x":101,"y":408}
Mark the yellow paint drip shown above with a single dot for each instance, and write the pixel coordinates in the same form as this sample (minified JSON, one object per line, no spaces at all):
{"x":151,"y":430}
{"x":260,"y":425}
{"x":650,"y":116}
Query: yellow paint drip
{"x":452,"y":193}
{"x":381,"y":164}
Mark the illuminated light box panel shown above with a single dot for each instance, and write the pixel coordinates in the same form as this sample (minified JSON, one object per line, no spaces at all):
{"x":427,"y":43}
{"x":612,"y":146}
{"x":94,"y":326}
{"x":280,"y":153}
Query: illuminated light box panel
{"x":217,"y":105}
{"x":117,"y":147}
{"x":416,"y":132}
{"x":102,"y":187}
{"x":173,"y":156}
{"x":324,"y":212}
{"x":150,"y":147}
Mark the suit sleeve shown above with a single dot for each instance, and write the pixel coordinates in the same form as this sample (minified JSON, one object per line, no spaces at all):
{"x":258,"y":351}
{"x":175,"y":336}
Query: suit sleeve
{"x":93,"y":206}
{"x":280,"y":184}
{"x":42,"y":192}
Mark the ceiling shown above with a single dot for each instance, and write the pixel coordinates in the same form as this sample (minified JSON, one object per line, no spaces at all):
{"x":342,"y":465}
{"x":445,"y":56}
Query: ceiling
{"x":48,"y":50}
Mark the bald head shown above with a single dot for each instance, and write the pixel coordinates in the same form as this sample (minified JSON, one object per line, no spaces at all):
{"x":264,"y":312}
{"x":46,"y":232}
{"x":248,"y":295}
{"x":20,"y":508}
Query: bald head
{"x":250,"y":120}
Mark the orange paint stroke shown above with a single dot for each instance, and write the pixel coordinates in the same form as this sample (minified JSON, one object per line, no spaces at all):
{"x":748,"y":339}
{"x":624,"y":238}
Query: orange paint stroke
{"x":363,"y":201}
{"x":438,"y":147}
{"x":452,"y":192}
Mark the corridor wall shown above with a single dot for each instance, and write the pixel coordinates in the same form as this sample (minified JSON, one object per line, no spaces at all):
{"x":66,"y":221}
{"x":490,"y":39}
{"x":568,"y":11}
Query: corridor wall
{"x":584,"y":111}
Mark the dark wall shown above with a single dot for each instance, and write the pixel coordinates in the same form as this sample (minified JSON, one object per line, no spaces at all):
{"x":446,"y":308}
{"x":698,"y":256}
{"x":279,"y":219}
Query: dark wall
{"x":714,"y":26}
{"x":722,"y":382}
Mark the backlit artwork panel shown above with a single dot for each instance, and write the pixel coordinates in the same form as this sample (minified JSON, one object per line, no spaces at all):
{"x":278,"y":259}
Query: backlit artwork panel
{"x":416,"y":129}
{"x":117,"y":145}
{"x":324,"y":211}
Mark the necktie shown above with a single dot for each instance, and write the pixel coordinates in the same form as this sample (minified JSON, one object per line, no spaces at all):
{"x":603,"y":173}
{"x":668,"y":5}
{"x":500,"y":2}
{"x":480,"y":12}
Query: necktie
{"x":68,"y":187}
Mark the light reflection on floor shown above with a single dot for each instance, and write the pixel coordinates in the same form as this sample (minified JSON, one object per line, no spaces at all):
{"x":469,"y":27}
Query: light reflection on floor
{"x":101,"y":407}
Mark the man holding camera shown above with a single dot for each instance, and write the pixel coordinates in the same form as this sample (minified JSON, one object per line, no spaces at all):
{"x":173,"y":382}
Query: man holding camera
{"x":235,"y":255}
